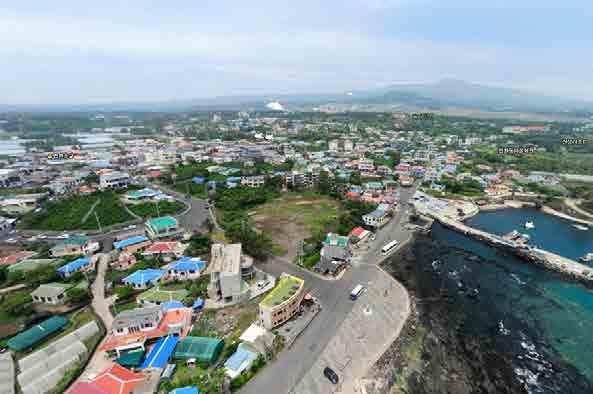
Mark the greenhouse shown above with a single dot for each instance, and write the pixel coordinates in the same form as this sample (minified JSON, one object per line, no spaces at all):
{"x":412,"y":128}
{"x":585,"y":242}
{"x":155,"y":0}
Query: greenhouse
{"x":203,"y":349}
{"x":36,"y":334}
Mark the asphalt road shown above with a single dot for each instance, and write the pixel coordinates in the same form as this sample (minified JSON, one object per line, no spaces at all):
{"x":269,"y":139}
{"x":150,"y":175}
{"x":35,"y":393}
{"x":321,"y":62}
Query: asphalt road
{"x":287,"y":372}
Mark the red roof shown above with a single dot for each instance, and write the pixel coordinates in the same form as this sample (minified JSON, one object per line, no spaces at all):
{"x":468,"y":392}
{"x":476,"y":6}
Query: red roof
{"x":16,"y":257}
{"x":117,"y":380}
{"x":154,"y":174}
{"x":356,"y":231}
{"x":161,"y":247}
{"x":352,"y":195}
{"x":85,"y":388}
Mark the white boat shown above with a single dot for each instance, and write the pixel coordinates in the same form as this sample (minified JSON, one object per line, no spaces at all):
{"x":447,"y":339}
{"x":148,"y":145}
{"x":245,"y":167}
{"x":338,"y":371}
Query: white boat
{"x":580,"y":227}
{"x":587,"y":257}
{"x":529,"y":225}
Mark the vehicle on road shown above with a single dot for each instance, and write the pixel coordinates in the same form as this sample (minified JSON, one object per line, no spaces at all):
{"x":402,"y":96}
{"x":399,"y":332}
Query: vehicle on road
{"x":356,"y":292}
{"x":388,"y":248}
{"x":331,"y":375}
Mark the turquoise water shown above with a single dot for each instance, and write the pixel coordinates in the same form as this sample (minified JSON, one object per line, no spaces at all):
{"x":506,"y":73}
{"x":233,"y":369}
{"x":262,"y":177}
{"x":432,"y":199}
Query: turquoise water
{"x":550,"y":233}
{"x":541,"y":321}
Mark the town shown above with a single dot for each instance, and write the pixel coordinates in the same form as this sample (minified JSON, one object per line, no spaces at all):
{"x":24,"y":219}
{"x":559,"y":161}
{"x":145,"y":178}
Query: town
{"x":206,"y":252}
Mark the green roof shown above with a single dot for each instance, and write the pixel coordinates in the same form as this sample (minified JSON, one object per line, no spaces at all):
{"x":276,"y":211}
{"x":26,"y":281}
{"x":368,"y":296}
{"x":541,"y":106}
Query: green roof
{"x":156,"y":294}
{"x":286,"y":288}
{"x":162,"y":222}
{"x":76,"y":240}
{"x":335,"y":239}
{"x":203,"y":349}
{"x":35,"y":334}
{"x":131,"y":359}
{"x":31,"y":264}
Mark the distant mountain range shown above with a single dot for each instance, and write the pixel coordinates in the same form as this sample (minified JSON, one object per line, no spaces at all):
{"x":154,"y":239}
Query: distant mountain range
{"x":446,"y":93}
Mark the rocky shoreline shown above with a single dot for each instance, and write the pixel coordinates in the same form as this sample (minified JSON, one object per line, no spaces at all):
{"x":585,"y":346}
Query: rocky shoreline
{"x":435,"y":352}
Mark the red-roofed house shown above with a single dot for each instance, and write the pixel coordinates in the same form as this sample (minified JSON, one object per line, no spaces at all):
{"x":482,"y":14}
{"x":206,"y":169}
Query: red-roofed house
{"x":16,"y":257}
{"x":171,"y":249}
{"x":114,"y":380}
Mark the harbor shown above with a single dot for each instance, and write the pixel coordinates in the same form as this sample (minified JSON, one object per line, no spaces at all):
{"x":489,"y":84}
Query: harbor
{"x":450,"y":216}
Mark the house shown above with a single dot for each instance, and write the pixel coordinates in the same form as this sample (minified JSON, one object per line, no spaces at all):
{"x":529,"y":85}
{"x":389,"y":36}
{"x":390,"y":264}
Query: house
{"x":240,"y":361}
{"x":114,"y":180}
{"x":81,"y":264}
{"x":132,"y":244}
{"x":17,"y":257}
{"x":258,"y":338}
{"x":225,"y":269}
{"x":9,"y":177}
{"x":172,"y":249}
{"x":376,"y":219}
{"x":113,"y":380}
{"x":18,"y":205}
{"x":253,"y":181}
{"x":136,"y":320}
{"x":333,"y":258}
{"x":336,"y":239}
{"x":142,"y":279}
{"x":124,"y":261}
{"x":283,"y":302}
{"x":50,"y":293}
{"x":162,"y":227}
{"x":74,"y":246}
{"x":5,"y":225}
{"x":186,"y":268}
{"x":358,"y":234}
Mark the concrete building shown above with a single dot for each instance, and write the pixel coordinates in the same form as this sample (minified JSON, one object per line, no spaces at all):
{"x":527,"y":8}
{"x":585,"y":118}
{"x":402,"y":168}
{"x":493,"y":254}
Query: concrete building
{"x":50,"y":293}
{"x":376,"y":218}
{"x":253,"y":181}
{"x":79,"y":245}
{"x":226,"y":279}
{"x":283,"y":302}
{"x":9,"y":177}
{"x":137,"y":320}
{"x":114,"y":179}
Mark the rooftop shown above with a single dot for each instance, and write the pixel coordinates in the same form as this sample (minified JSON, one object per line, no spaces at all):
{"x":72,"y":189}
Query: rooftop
{"x":157,"y":294}
{"x":286,"y":288}
{"x":162,"y":222}
{"x":225,"y":258}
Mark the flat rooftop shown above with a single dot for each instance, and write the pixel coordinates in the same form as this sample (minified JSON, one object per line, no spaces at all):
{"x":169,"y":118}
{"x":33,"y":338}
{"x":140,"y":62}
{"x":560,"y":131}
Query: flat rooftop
{"x":286,"y":288}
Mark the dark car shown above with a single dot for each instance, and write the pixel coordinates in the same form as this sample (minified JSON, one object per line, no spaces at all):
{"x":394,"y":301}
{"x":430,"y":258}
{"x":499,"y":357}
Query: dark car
{"x":331,"y":375}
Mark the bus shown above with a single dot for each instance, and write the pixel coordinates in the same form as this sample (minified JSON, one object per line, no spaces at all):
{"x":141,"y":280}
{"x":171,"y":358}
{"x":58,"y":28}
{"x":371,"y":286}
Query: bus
{"x":389,"y":247}
{"x":356,"y":292}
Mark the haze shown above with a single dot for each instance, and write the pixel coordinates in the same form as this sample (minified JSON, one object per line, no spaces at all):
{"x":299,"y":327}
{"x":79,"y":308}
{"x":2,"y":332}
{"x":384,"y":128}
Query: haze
{"x":79,"y":52}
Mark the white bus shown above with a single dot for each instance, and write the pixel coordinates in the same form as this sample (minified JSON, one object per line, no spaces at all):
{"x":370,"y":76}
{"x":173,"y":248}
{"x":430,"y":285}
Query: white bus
{"x":356,"y":292}
{"x":389,"y":247}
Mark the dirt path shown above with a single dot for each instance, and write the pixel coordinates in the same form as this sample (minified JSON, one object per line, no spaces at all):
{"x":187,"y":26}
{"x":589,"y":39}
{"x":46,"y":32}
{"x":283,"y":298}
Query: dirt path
{"x":572,"y":204}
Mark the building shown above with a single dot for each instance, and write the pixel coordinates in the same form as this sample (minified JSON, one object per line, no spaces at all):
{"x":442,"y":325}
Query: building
{"x":74,"y":246}
{"x":142,"y":279}
{"x":81,"y":264}
{"x":186,"y":268}
{"x":376,"y":219}
{"x":124,"y":261}
{"x":258,"y":338}
{"x":283,"y":302}
{"x":240,"y":361}
{"x":137,"y":320}
{"x":162,"y":227}
{"x":114,"y":180}
{"x":226,"y":280}
{"x":50,"y":293}
{"x":9,"y":177}
{"x":132,"y":244}
{"x":172,"y":249}
{"x":253,"y":181}
{"x":114,"y":380}
{"x":18,"y":205}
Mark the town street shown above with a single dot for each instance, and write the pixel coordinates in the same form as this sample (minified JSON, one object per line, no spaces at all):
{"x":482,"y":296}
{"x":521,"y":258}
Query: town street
{"x":295,"y":363}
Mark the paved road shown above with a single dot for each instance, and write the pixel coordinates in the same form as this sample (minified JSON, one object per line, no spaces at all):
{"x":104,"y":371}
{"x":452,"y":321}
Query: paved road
{"x":294,"y":364}
{"x":196,"y":217}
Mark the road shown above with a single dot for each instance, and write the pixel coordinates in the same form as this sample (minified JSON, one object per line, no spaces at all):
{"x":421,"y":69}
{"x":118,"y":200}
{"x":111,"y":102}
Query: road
{"x":294,"y":364}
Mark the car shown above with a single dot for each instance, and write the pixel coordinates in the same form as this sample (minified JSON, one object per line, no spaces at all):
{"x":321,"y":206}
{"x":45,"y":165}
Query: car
{"x":42,"y":236}
{"x":331,"y":375}
{"x":262,"y":283}
{"x":10,"y":240}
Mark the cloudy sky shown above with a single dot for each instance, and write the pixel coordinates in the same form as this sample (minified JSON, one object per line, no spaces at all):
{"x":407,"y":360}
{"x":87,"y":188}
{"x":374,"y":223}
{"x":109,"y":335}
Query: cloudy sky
{"x":71,"y":51}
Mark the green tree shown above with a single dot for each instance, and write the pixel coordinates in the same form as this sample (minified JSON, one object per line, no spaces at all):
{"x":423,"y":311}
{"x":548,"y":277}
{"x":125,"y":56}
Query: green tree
{"x":77,"y":295}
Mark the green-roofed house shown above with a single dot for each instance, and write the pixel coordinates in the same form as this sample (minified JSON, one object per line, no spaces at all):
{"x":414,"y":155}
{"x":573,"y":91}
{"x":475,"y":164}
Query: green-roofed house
{"x":51,"y":293}
{"x":204,"y":349}
{"x":163,"y":227}
{"x":283,"y":302}
{"x":37,"y":333}
{"x":336,"y":240}
{"x":156,"y":296}
{"x":77,"y":245}
{"x":31,"y":264}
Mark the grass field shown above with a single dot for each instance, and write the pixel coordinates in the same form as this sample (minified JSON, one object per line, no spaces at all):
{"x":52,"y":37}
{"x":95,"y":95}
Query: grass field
{"x":69,"y":213}
{"x":294,"y":217}
{"x":149,"y":209}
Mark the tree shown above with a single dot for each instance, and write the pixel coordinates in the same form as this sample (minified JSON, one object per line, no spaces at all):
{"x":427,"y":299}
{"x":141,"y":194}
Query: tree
{"x":77,"y":295}
{"x":124,"y":292}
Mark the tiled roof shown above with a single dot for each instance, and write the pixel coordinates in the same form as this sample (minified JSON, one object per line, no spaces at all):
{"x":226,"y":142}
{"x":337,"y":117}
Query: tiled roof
{"x":118,"y":380}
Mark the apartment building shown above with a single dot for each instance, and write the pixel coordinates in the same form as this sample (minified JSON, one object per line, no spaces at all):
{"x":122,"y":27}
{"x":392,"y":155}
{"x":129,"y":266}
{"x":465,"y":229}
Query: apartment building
{"x":226,"y":273}
{"x":283,"y":302}
{"x":114,"y":180}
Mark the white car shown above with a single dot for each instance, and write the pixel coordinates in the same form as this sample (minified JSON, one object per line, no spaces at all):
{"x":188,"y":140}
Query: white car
{"x":10,"y":240}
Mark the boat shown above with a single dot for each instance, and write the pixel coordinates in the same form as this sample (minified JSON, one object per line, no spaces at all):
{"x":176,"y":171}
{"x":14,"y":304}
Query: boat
{"x":580,"y":227}
{"x":587,"y":257}
{"x":529,"y":225}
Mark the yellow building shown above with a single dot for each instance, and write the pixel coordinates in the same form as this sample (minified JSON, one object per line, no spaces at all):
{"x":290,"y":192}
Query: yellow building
{"x":282,"y":302}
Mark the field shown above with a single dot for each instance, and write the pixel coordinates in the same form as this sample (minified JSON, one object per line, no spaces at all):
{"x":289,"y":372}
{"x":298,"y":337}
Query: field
{"x":149,"y":209}
{"x":294,"y":217}
{"x":78,"y":213}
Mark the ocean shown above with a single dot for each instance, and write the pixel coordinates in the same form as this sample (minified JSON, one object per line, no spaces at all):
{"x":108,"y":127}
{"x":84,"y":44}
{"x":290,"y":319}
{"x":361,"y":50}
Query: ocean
{"x":497,"y":323}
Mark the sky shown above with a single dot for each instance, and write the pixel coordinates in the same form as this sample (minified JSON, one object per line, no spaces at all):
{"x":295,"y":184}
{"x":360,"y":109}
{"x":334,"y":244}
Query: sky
{"x":75,"y":52}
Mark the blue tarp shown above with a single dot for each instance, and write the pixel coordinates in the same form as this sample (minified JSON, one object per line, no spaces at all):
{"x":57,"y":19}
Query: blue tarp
{"x":198,"y":304}
{"x":165,"y":306}
{"x":199,"y":180}
{"x":129,"y":241}
{"x":161,"y":352}
{"x":142,"y":277}
{"x":185,"y":390}
{"x":238,"y":358}
{"x":74,"y":265}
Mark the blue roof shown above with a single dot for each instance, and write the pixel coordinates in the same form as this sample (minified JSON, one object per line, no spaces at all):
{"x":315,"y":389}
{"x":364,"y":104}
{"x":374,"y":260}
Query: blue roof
{"x":165,"y":306}
{"x":198,"y":179}
{"x":239,"y":357}
{"x":142,"y":277}
{"x":376,"y":213}
{"x":198,"y":303}
{"x":188,"y":264}
{"x":186,"y":390}
{"x":74,"y":265}
{"x":161,"y":352}
{"x":129,"y":241}
{"x":233,"y":179}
